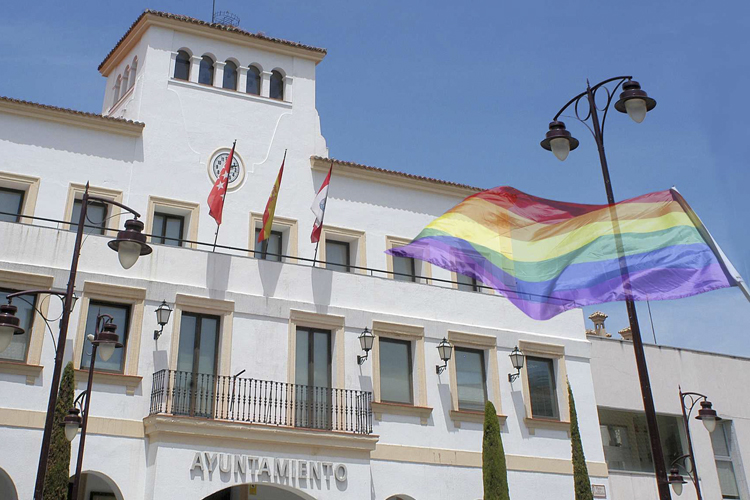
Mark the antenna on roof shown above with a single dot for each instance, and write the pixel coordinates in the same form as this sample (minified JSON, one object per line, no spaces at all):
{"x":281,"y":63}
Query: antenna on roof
{"x":224,"y":17}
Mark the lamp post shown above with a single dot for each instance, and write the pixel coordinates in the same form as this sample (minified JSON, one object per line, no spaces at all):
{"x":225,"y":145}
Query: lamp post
{"x":129,"y":245}
{"x":105,"y":338}
{"x":636,"y":103}
{"x":708,"y":416}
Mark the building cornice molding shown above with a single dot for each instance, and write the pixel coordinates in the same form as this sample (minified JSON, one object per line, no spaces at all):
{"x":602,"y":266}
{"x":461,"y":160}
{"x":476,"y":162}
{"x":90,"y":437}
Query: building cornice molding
{"x":197,"y":27}
{"x":164,"y":427}
{"x":71,"y":117}
{"x":391,"y":177}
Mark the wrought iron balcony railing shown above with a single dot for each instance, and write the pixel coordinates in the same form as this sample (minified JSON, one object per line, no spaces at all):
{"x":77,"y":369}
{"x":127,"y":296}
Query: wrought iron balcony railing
{"x":256,"y":401}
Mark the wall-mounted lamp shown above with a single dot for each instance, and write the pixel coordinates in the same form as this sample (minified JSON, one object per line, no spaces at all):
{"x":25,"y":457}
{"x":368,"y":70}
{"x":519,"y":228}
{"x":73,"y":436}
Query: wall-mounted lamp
{"x":516,"y":359}
{"x":162,"y":317}
{"x":366,"y":338}
{"x":445,"y":349}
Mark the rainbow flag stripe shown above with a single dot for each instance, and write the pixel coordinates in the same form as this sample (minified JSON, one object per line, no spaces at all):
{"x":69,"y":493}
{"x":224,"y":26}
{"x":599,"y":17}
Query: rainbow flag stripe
{"x":549,"y":256}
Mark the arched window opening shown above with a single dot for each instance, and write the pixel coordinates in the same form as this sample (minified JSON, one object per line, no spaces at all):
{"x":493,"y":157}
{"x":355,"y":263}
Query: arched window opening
{"x":206,"y":72}
{"x":133,"y":70}
{"x":253,"y":80}
{"x":116,"y":95}
{"x":277,"y":86}
{"x":182,"y":66}
{"x":230,"y":76}
{"x":125,"y":80}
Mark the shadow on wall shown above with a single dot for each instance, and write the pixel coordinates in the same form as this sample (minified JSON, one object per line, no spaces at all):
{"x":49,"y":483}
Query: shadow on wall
{"x":217,"y":274}
{"x":78,"y":140}
{"x":321,"y":280}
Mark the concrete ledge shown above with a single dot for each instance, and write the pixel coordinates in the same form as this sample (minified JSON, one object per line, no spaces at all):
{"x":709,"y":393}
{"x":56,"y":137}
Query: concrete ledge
{"x":423,"y":412}
{"x":130,"y":382}
{"x":32,"y":372}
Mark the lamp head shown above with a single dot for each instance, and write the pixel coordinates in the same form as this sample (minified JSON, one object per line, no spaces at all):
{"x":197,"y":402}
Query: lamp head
{"x":107,"y":341}
{"x":71,"y":422}
{"x":445,"y":349}
{"x":517,"y":358}
{"x":366,"y":339}
{"x":162,"y":313}
{"x":634,"y":101}
{"x":10,"y":325}
{"x":708,"y":415}
{"x":130,"y":243}
{"x":559,"y":141}
{"x":676,"y":480}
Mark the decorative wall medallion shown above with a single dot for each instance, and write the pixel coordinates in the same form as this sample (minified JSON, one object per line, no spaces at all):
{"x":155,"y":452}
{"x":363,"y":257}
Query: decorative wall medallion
{"x":236,"y":172}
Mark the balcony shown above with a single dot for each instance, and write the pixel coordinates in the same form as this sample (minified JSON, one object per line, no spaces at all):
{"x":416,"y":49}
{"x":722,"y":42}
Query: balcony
{"x":248,"y":400}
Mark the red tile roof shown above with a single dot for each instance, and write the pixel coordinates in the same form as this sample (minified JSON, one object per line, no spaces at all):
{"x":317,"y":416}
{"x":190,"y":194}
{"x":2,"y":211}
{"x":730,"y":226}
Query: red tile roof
{"x":217,"y":26}
{"x":397,"y":173}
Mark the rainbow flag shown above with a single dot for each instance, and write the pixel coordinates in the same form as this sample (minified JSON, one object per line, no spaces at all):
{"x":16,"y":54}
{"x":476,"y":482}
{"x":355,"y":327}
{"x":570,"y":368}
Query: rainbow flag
{"x":549,"y":256}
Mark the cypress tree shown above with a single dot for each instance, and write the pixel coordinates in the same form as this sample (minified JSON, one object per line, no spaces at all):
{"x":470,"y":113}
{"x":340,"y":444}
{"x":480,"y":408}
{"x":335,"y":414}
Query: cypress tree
{"x":58,"y":466}
{"x":494,"y":471}
{"x":580,"y":471}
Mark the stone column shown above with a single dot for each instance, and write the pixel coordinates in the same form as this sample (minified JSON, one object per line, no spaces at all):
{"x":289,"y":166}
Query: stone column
{"x":265,"y":83}
{"x":242,"y":79}
{"x":288,"y":88}
{"x":598,"y":319}
{"x":195,"y":67}
{"x":219,"y":73}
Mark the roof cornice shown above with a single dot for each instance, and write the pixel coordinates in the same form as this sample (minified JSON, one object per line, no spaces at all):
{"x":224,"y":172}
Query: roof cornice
{"x":71,"y":117}
{"x":392,"y":177}
{"x":202,"y":28}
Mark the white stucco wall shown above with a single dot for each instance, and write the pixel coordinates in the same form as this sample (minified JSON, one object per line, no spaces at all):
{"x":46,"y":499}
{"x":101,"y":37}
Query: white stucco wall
{"x":185,"y":124}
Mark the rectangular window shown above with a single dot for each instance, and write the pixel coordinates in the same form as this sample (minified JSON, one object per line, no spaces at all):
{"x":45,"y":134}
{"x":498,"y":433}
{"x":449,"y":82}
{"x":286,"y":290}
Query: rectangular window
{"x":404,"y":269}
{"x":274,"y":250}
{"x":196,"y":364}
{"x":168,"y":229}
{"x":542,"y":388}
{"x":467,"y":283}
{"x":396,"y":384}
{"x":96,"y":215}
{"x":19,"y":345}
{"x":313,"y":379}
{"x":11,"y":204}
{"x":121,"y":318}
{"x":471,"y":379}
{"x":721,"y":439}
{"x":626,"y":442}
{"x":337,"y":256}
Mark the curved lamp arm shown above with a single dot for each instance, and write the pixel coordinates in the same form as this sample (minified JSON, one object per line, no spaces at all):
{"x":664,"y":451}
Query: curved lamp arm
{"x":113,"y":202}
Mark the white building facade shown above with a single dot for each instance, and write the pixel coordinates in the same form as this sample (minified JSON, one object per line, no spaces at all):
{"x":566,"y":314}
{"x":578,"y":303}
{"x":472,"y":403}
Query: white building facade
{"x":723,"y":379}
{"x":254,"y":390}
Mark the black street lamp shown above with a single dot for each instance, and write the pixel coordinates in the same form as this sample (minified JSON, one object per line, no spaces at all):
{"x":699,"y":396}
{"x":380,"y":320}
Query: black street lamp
{"x":129,"y":245}
{"x":366,"y":339}
{"x":105,"y":338}
{"x":517,"y":358}
{"x":162,"y":318}
{"x":445,"y":349}
{"x":635,"y":102}
{"x":708,"y":416}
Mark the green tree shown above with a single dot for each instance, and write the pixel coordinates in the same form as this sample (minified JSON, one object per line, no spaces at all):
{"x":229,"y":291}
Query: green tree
{"x":494,"y":471}
{"x":58,"y":466}
{"x":580,"y":471}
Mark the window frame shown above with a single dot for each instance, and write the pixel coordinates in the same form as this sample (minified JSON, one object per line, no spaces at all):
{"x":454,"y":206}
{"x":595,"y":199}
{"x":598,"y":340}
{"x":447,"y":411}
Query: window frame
{"x":409,"y":368}
{"x":204,"y":59}
{"x":422,"y":269}
{"x":265,"y":255}
{"x":166,"y":216}
{"x":329,"y":322}
{"x":73,"y":226}
{"x":31,"y":367}
{"x":288,"y":229}
{"x":477,"y":341}
{"x":259,"y":79}
{"x":556,"y":353}
{"x":236,"y":75}
{"x":347,"y":266}
{"x":75,"y":192}
{"x":280,"y":76}
{"x":189,"y":65}
{"x":30,"y":187}
{"x":357,"y":241}
{"x":188,"y":210}
{"x":123,"y":335}
{"x":554,"y":397}
{"x":117,"y":294}
{"x":484,"y":370}
{"x":19,"y":210}
{"x":722,"y":427}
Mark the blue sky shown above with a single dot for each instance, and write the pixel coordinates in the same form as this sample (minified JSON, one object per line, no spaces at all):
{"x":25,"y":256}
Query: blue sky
{"x":464,"y":91}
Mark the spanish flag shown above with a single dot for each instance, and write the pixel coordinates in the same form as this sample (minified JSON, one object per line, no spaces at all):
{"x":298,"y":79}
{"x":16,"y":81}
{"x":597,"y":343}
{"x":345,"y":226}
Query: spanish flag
{"x":265,"y":232}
